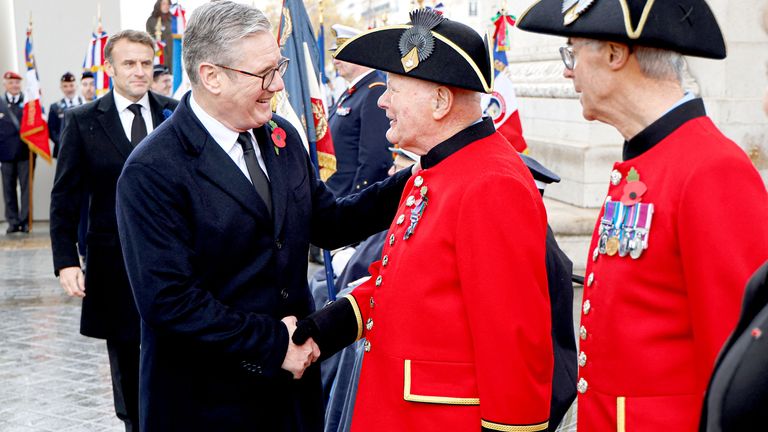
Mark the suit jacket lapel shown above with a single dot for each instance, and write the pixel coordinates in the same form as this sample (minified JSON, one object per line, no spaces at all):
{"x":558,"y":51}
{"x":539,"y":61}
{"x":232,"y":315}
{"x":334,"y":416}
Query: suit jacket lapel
{"x":215,"y":165}
{"x":277,"y":181}
{"x":157,"y":110}
{"x":110,"y":121}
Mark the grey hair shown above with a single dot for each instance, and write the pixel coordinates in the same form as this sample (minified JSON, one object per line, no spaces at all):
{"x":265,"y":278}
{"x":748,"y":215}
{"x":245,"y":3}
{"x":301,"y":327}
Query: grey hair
{"x":655,"y":63}
{"x":660,"y":64}
{"x":212,"y":31}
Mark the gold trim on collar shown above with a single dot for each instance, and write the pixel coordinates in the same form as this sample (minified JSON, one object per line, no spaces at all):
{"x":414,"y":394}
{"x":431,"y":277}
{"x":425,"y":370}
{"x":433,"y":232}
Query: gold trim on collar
{"x":635,"y":33}
{"x":621,"y":414}
{"x":432,"y":399}
{"x":358,"y":315}
{"x":513,"y":428}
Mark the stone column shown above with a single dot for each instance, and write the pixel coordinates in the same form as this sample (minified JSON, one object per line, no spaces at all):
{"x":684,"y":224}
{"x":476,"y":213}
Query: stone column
{"x":8,"y":59}
{"x":583,"y":152}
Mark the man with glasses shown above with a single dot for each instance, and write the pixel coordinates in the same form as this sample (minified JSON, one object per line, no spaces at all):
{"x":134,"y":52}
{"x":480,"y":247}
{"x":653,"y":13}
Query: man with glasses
{"x":672,"y":248}
{"x":216,"y":210}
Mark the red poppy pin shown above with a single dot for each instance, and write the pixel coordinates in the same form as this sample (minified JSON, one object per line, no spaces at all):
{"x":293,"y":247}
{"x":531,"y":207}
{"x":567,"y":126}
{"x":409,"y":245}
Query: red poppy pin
{"x":278,"y":136}
{"x":634,"y":189}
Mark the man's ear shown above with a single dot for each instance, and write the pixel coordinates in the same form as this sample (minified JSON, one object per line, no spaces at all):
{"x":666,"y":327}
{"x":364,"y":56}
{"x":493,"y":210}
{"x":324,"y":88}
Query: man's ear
{"x":210,"y":77}
{"x":618,"y":55}
{"x":442,"y":102}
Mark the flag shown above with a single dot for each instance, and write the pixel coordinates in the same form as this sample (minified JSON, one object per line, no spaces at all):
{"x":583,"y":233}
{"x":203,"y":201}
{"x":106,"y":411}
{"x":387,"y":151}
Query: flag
{"x":94,"y":61}
{"x":33,"y":128}
{"x":501,"y":105}
{"x":178,"y":25}
{"x":321,"y":53}
{"x":326,"y":157}
{"x":295,"y":30}
{"x":159,"y":52}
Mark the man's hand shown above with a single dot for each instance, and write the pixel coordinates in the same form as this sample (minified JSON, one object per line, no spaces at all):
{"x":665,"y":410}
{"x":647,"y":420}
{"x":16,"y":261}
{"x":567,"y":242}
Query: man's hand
{"x":298,"y":357}
{"x":73,"y":281}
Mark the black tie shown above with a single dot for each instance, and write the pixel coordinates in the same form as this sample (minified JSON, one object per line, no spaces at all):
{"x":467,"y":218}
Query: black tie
{"x":258,"y":177}
{"x":138,"y":127}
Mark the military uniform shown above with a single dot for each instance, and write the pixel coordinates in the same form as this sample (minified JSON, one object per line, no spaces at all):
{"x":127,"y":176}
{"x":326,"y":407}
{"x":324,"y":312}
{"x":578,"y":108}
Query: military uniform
{"x":651,"y":327}
{"x":56,"y":119}
{"x":14,"y":160}
{"x":358,"y":127}
{"x":670,"y":253}
{"x":456,"y":314}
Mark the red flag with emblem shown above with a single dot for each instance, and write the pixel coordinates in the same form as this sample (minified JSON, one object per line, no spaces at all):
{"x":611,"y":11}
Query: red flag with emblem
{"x":33,"y":128}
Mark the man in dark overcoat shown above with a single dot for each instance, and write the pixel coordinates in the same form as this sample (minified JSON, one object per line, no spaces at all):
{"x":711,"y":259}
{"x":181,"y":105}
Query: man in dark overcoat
{"x":216,"y":211}
{"x":96,"y":140}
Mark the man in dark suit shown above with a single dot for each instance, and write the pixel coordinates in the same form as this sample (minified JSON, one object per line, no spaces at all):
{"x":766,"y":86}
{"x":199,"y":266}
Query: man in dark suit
{"x":56,"y":112}
{"x":96,"y":141}
{"x":358,"y":126}
{"x":14,"y":155}
{"x":216,"y":211}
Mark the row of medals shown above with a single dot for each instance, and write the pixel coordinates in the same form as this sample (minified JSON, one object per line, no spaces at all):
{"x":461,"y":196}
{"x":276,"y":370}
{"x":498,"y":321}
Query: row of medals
{"x":621,"y":235}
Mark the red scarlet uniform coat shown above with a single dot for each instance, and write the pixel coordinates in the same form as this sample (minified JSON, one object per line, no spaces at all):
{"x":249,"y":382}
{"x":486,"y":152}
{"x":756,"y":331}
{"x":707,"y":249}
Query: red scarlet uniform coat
{"x":457,"y":315}
{"x":652,"y":326}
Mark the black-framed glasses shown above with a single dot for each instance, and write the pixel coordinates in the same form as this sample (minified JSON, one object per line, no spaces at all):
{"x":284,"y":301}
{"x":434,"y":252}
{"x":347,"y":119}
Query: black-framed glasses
{"x":266,"y":78}
{"x":569,"y":58}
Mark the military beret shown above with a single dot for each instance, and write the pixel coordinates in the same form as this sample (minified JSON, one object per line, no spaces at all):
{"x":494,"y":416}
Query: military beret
{"x":540,"y":173}
{"x":11,"y":75}
{"x":87,"y":74}
{"x":159,"y":69}
{"x":67,"y":77}
{"x":341,"y":34}
{"x":430,"y":47}
{"x":685,"y":26}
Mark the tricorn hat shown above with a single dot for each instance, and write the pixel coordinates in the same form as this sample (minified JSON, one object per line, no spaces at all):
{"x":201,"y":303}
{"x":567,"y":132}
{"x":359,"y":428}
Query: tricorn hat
{"x":684,"y":26}
{"x":430,"y":47}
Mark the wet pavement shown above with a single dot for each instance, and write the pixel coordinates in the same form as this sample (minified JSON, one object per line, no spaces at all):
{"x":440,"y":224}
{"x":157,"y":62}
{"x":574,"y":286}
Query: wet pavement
{"x":51,"y":377}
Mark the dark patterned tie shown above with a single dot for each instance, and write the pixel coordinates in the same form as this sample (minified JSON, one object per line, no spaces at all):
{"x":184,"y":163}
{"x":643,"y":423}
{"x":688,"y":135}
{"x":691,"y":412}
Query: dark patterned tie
{"x":138,"y":127}
{"x":259,"y":179}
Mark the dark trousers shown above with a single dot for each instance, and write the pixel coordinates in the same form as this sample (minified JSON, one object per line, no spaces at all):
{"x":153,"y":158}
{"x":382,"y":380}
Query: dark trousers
{"x":15,"y":172}
{"x":124,"y":365}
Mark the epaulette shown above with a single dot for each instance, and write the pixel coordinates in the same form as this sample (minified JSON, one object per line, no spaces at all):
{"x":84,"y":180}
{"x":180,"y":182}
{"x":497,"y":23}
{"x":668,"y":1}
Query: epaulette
{"x":376,"y":84}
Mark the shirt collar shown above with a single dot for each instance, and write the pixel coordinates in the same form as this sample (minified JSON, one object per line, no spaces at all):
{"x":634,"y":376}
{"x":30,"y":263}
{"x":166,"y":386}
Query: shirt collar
{"x":360,"y":78}
{"x":224,"y":136}
{"x":684,"y":110}
{"x":477,"y":131}
{"x":122,"y":103}
{"x":12,"y":98}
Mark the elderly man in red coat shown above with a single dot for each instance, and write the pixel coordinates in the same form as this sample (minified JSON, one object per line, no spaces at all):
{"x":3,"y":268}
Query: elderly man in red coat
{"x":673,"y":245}
{"x":456,"y":314}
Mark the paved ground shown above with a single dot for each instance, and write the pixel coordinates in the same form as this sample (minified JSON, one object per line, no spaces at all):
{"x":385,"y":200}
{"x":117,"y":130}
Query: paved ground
{"x":51,"y":377}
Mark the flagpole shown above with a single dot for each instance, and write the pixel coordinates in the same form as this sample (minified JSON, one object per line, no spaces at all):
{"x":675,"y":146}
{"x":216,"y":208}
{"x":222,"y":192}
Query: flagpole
{"x":31,"y":180}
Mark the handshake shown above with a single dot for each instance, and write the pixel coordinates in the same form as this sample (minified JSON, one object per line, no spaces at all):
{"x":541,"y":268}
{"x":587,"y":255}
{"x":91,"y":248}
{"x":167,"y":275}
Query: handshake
{"x":300,"y":355}
{"x":331,"y":328}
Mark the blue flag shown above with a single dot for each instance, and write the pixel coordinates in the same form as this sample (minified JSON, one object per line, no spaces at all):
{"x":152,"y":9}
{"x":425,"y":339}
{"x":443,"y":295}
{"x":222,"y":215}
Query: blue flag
{"x":321,"y":52}
{"x":295,"y":30}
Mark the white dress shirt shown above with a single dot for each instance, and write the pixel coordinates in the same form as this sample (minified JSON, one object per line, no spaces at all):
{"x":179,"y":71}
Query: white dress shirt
{"x":126,"y":115}
{"x":226,"y":138}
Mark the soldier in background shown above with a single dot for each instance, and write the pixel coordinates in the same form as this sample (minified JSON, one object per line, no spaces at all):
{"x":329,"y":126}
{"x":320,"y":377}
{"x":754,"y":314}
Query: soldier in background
{"x":68,"y":86}
{"x":88,"y":86}
{"x":14,"y":155}
{"x":358,"y":126}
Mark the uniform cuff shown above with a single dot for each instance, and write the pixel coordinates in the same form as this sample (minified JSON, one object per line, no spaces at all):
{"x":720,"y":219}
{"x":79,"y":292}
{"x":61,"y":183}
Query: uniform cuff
{"x":487,"y":426}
